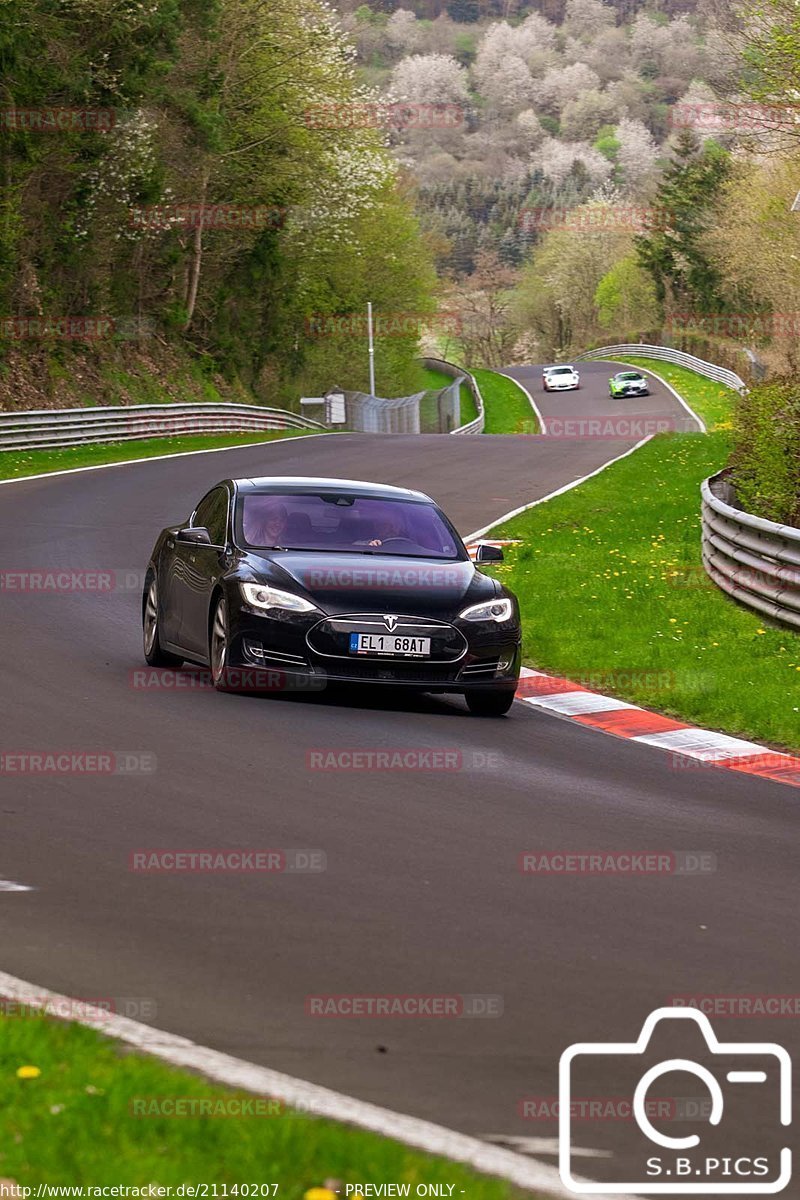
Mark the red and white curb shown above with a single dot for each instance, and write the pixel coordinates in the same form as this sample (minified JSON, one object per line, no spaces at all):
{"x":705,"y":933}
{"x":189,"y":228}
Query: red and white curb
{"x":688,"y":745}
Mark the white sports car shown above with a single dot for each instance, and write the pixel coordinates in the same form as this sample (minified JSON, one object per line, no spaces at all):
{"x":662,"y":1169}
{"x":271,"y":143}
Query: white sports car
{"x":560,"y":379}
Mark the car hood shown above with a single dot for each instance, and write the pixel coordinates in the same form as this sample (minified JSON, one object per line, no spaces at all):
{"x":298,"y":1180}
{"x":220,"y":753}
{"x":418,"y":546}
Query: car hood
{"x":341,"y":583}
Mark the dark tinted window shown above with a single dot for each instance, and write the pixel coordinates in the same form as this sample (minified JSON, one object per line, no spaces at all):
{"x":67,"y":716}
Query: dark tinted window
{"x":212,"y":513}
{"x":354,"y":524}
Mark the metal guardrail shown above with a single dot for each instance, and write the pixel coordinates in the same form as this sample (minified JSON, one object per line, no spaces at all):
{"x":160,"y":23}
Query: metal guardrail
{"x":462,"y":376}
{"x":54,"y":428}
{"x":677,"y":357}
{"x":755,"y":561}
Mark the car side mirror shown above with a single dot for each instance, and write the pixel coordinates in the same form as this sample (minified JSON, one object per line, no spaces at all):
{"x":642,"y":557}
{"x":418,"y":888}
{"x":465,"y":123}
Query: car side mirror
{"x":197,"y":535}
{"x":489,"y":554}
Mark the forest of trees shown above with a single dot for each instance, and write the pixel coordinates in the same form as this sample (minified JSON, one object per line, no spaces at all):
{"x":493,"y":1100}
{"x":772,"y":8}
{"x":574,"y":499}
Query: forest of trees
{"x":500,"y":203}
{"x":192,"y":103}
{"x":542,"y":112}
{"x":471,"y":11}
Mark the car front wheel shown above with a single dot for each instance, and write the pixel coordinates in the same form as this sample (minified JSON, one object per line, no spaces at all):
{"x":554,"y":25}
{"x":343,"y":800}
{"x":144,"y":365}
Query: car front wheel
{"x":219,"y":646}
{"x":490,"y":704}
{"x":154,"y":655}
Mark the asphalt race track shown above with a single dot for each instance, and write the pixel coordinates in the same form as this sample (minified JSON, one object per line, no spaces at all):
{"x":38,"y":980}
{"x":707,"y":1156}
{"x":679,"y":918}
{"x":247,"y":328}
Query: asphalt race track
{"x":422,"y":892}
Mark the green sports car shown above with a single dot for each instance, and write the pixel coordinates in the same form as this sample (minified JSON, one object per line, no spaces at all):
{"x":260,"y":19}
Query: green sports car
{"x":628,"y":383}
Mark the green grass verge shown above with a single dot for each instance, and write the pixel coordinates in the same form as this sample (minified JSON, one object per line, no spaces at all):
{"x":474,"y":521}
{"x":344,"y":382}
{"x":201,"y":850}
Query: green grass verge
{"x":75,"y":1125}
{"x":16,"y":464}
{"x":613,"y":594}
{"x":711,"y":401}
{"x":508,"y":409}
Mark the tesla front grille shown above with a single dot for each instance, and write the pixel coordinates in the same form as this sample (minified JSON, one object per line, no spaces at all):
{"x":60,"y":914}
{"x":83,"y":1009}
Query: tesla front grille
{"x":330,"y":637}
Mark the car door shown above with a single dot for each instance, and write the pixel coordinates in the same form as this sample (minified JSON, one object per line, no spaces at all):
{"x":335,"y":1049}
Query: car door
{"x":196,"y":569}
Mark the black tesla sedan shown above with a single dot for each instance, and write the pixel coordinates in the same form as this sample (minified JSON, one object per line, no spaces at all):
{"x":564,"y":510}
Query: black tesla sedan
{"x":329,"y":580}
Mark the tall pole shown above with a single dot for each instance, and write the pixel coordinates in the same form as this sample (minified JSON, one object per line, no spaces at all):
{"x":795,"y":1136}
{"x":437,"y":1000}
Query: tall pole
{"x":371,"y":350}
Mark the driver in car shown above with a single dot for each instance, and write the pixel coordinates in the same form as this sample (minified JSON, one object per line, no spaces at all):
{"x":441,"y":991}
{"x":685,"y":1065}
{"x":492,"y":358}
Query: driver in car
{"x":266,"y":526}
{"x":390,"y":526}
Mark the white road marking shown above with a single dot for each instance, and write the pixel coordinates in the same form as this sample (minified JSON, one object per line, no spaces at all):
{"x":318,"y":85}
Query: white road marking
{"x":542,"y":1145}
{"x":7,"y":886}
{"x":129,"y":462}
{"x":705,"y":744}
{"x":298,"y":1093}
{"x":575,"y":703}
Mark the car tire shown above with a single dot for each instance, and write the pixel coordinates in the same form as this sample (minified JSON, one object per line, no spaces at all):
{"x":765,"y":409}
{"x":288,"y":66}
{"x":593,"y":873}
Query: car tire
{"x":153,"y":653}
{"x":219,"y":647}
{"x":490,"y":704}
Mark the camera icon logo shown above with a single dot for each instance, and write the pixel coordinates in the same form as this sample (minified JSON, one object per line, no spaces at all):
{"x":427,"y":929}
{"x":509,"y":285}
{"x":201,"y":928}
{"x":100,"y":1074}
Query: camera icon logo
{"x":720,"y":1160}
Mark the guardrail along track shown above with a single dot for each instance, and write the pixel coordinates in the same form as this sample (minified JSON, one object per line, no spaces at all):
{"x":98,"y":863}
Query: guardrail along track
{"x":677,"y":357}
{"x":45,"y":429}
{"x":755,"y":561}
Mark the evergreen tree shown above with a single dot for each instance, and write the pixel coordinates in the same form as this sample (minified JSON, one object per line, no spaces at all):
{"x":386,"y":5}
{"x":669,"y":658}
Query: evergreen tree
{"x":465,"y":11}
{"x":674,"y":254}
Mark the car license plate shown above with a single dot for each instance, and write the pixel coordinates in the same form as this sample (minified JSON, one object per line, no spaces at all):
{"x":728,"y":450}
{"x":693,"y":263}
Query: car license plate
{"x":389,"y":643}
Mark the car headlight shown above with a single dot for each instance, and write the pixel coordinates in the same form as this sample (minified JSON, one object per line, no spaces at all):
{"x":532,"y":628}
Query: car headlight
{"x":261,"y":595}
{"x":492,"y":610}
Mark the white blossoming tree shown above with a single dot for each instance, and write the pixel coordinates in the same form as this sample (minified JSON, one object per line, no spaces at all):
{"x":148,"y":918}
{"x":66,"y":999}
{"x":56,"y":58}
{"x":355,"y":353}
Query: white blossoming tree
{"x":562,"y":84}
{"x":556,"y":159}
{"x":637,"y":156}
{"x":430,"y":79}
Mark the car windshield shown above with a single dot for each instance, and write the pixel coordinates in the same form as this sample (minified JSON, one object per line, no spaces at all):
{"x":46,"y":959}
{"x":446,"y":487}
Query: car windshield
{"x":346,"y":524}
{"x":560,"y":371}
{"x":629,"y":375}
